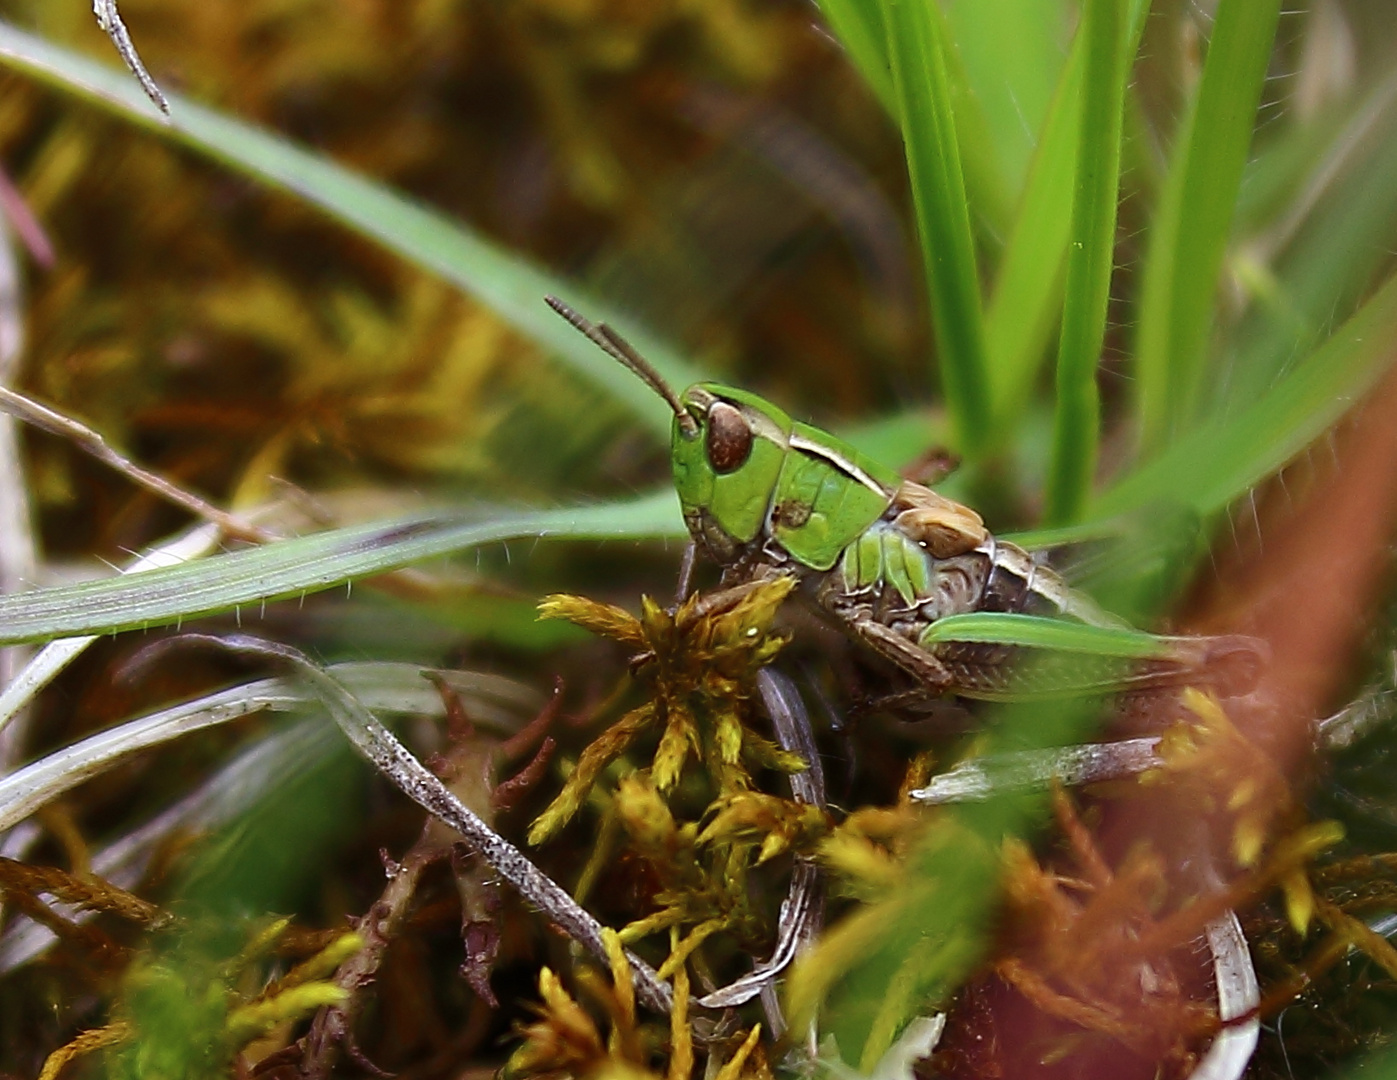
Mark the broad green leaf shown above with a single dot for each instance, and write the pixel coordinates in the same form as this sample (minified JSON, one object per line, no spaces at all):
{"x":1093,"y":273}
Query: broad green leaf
{"x":1034,"y":631}
{"x":508,"y":284}
{"x":917,"y":57}
{"x":1194,"y":219}
{"x":1227,"y":456}
{"x":309,"y":564}
{"x":1090,"y":258}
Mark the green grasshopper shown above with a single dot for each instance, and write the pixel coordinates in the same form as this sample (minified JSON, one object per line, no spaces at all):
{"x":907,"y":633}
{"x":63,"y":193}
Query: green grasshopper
{"x":890,"y":560}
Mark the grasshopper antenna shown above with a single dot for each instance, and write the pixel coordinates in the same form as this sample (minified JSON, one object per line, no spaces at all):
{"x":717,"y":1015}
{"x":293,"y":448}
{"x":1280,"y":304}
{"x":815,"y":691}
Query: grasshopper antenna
{"x":617,"y":347}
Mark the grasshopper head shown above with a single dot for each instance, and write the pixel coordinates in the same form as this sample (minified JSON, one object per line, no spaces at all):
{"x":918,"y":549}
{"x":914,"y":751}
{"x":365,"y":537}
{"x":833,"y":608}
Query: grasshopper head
{"x":727,"y":447}
{"x":726,"y":450}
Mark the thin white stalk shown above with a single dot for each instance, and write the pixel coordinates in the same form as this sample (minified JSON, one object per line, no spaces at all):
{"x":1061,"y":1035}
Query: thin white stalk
{"x":109,"y":19}
{"x":382,"y":750}
{"x":94,"y":444}
{"x":1233,"y":971}
{"x":1090,"y":763}
{"x":1071,"y":766}
{"x":388,"y":686}
{"x":802,"y":912}
{"x":493,"y":701}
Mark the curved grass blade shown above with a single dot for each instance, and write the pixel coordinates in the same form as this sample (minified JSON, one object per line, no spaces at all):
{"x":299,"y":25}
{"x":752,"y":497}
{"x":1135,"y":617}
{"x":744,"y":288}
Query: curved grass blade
{"x":264,"y":765}
{"x":916,"y":55}
{"x":53,"y":658}
{"x":1194,"y":220}
{"x":508,"y":284}
{"x":1090,"y":259}
{"x":308,"y":564}
{"x":40,"y":782}
{"x":1229,"y":455}
{"x":1035,"y":631}
{"x":495,"y":702}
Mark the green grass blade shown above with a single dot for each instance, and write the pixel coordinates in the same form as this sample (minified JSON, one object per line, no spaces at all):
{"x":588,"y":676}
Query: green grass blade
{"x":1025,"y":302}
{"x":1022,"y":309}
{"x":1090,"y":258}
{"x":509,"y":285}
{"x":917,"y":57}
{"x":1010,"y":75}
{"x":1229,"y":455}
{"x":987,"y":186}
{"x":309,"y":564}
{"x":858,"y":24}
{"x":1195,"y":219}
{"x":1034,"y":631}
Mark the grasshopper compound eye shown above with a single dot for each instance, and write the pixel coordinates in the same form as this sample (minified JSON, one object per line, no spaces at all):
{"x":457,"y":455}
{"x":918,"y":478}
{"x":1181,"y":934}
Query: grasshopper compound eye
{"x":729,"y":441}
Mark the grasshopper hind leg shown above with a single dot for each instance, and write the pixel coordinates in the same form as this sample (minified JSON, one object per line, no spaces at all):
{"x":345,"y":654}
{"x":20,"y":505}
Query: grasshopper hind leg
{"x":934,"y":677}
{"x":1229,"y":666}
{"x":933,"y":680}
